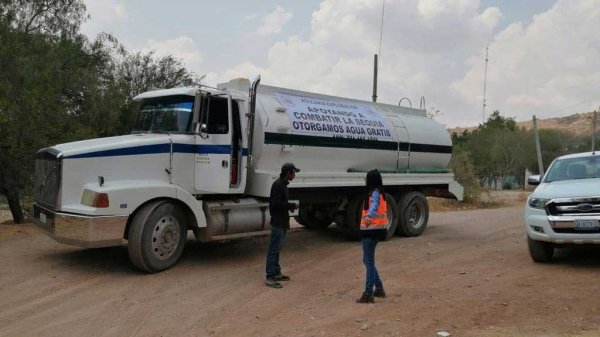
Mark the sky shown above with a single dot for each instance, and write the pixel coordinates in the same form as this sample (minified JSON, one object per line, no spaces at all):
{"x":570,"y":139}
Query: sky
{"x":544,"y":55}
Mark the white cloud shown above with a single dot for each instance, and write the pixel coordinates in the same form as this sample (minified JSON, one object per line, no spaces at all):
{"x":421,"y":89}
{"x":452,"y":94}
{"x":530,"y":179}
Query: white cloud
{"x":423,"y":51}
{"x":273,"y":22}
{"x":549,"y":68}
{"x":437,"y":49}
{"x":183,"y":48}
{"x":103,"y":13}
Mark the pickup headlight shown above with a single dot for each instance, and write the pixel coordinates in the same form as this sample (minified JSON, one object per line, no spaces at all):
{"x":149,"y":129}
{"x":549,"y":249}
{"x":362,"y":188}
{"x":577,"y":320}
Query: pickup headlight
{"x":538,"y":203}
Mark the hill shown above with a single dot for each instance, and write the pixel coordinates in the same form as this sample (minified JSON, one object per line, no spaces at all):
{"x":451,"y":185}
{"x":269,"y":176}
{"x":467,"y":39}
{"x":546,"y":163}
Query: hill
{"x":580,"y":123}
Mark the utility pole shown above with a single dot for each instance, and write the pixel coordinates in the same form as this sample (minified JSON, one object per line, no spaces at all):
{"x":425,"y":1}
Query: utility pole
{"x":484,"y":84}
{"x":538,"y":147}
{"x":375,"y":78}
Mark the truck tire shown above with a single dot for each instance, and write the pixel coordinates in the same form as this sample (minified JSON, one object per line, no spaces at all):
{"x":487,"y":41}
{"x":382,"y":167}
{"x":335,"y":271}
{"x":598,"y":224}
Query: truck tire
{"x":540,"y":251}
{"x":354,"y":212}
{"x":157,"y":236}
{"x":414,"y":214}
{"x":308,"y":217}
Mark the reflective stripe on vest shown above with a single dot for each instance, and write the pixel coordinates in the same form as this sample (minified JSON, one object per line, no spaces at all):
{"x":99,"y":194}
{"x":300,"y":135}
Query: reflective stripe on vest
{"x":379,"y":219}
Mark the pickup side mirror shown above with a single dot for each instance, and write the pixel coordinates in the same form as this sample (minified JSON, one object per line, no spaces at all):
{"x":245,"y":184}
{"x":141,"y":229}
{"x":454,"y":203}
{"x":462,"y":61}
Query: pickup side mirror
{"x":534,"y":180}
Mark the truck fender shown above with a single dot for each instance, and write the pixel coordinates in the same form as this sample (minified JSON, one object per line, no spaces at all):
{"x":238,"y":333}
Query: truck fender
{"x":194,"y":205}
{"x":134,"y":194}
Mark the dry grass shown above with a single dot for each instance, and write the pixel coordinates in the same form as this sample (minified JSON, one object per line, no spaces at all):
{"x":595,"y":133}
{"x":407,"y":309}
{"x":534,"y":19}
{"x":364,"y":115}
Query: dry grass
{"x":489,"y":199}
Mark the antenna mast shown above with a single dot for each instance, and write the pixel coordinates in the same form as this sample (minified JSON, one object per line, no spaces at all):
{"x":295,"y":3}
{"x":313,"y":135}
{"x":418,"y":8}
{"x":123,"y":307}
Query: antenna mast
{"x":376,"y":56}
{"x":484,"y":84}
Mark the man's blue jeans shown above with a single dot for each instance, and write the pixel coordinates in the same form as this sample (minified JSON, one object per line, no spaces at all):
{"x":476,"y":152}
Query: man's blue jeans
{"x":373,"y":279}
{"x":277,"y":236}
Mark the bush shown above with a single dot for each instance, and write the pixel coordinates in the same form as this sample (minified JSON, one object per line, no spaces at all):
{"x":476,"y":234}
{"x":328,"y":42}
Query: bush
{"x":464,"y":173}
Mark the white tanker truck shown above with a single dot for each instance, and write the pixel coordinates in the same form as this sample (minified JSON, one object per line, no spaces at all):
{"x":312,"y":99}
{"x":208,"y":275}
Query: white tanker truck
{"x":203,"y":159}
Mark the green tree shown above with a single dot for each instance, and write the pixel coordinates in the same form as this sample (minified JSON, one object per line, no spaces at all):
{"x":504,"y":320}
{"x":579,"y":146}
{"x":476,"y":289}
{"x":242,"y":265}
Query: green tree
{"x":56,"y":86}
{"x":36,"y":49}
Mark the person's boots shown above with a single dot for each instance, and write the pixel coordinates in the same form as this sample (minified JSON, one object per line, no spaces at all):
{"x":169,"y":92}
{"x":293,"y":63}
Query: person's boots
{"x":379,"y":292}
{"x":364,"y":298}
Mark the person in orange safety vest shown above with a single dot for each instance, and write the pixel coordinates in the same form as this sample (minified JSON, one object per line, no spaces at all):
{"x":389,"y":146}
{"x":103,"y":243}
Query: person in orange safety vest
{"x":373,"y":228}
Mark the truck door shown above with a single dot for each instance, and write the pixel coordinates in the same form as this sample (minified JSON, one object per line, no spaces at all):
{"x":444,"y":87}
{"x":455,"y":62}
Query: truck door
{"x":403,"y":143}
{"x":213,"y":145}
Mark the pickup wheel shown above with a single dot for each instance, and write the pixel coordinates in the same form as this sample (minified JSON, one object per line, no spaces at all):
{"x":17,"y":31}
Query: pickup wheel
{"x":540,"y":251}
{"x":414,"y":214}
{"x":354,"y":213}
{"x":157,"y":236}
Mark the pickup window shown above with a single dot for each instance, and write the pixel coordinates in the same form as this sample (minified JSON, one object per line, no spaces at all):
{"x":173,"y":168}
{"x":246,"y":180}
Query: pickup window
{"x":574,"y":168}
{"x":172,"y":114}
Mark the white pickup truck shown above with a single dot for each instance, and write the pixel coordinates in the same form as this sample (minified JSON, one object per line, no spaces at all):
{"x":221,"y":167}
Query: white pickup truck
{"x":565,"y":207}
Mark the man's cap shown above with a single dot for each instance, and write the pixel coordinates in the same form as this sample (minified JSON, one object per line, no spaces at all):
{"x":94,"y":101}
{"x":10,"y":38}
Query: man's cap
{"x":289,"y":167}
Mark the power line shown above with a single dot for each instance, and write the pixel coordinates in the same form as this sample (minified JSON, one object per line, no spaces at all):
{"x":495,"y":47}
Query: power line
{"x":381,"y":31}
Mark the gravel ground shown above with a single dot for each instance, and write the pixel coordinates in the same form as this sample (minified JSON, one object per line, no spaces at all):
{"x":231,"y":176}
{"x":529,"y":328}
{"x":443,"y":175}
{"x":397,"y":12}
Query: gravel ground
{"x":469,"y":274}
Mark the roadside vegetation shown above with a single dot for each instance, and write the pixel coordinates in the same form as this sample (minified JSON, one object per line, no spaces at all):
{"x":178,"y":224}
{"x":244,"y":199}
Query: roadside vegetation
{"x":496,"y":154}
{"x":57,"y":86}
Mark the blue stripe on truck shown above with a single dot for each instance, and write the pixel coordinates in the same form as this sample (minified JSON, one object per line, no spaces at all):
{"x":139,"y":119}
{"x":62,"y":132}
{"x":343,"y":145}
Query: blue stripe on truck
{"x":158,"y":148}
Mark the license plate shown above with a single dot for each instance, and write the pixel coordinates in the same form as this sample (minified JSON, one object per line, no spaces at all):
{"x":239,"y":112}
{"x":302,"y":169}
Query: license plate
{"x":586,"y":225}
{"x":43,"y":218}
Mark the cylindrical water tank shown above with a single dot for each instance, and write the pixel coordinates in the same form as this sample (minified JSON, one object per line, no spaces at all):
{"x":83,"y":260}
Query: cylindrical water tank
{"x":333,"y":134}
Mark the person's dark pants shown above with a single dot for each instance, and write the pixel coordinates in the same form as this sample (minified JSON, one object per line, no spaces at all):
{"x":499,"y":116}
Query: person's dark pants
{"x":373,"y":279}
{"x":277,"y":236}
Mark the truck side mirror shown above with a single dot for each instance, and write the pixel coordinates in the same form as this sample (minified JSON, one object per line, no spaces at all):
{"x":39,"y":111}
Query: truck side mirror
{"x":201,"y":129}
{"x":534,"y":180}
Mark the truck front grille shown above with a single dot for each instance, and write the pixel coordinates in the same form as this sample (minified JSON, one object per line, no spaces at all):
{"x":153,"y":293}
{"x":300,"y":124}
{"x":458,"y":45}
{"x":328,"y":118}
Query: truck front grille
{"x":589,"y":206}
{"x":48,"y":169}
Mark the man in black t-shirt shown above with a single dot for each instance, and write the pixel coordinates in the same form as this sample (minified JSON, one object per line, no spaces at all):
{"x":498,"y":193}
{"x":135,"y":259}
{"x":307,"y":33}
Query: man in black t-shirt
{"x":279,"y":207}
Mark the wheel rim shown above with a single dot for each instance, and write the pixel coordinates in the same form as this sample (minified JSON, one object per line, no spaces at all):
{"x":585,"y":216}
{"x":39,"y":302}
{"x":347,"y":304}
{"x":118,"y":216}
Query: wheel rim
{"x":165,"y":237}
{"x":415,"y":214}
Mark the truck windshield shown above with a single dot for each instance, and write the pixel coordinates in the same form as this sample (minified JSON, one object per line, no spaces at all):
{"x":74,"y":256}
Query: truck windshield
{"x":172,"y":114}
{"x":574,"y":168}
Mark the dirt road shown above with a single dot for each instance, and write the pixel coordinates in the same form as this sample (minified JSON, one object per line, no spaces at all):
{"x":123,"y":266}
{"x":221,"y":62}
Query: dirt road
{"x":469,"y":274}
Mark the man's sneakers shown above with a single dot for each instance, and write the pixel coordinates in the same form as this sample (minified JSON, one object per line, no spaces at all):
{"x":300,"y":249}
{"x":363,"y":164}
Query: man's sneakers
{"x":281,"y":277}
{"x":272,"y":282}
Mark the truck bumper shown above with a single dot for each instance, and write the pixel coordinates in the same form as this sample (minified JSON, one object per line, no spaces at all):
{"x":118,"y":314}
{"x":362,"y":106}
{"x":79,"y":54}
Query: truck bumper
{"x":81,"y":230}
{"x":542,"y":227}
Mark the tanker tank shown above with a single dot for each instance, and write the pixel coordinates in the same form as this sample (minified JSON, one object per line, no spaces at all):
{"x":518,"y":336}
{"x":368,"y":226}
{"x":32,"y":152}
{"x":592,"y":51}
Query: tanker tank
{"x":346,"y":134}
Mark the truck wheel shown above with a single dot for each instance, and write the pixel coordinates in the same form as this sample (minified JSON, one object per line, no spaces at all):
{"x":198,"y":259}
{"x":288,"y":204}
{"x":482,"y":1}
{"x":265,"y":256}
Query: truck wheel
{"x":313,"y":218}
{"x":354,"y":213}
{"x":414,"y":214}
{"x":392,"y":215}
{"x":157,"y":236}
{"x":540,"y":251}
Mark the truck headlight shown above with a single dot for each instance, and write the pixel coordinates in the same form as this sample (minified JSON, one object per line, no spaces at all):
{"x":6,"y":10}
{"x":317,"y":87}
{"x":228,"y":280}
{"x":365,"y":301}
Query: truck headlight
{"x":94,"y":199}
{"x":538,"y":203}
